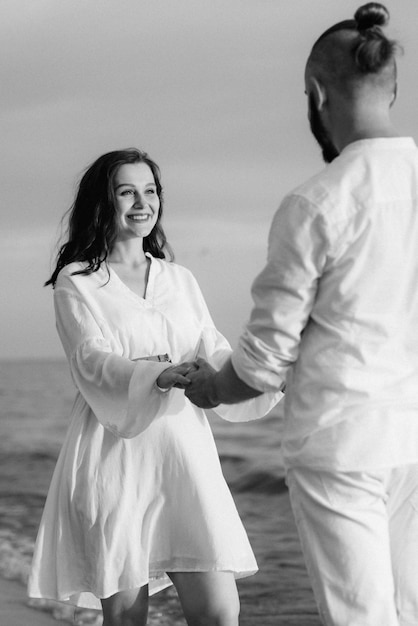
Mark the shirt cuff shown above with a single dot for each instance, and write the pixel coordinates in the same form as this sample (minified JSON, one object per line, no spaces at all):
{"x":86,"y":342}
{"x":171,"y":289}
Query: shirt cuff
{"x":257,"y":374}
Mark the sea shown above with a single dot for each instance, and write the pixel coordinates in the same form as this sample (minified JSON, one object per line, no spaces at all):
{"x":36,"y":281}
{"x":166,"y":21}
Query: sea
{"x":35,"y":402}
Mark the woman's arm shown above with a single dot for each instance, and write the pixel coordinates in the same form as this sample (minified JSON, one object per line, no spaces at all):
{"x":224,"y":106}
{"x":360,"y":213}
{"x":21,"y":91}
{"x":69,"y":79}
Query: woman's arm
{"x":121,"y":393}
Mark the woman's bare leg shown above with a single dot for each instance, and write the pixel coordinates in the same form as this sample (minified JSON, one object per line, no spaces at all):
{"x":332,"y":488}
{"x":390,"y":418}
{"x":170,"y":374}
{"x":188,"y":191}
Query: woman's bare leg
{"x":126,"y":608}
{"x":207,"y":598}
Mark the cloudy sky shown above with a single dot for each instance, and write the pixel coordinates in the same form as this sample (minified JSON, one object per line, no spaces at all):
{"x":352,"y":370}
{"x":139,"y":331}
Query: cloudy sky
{"x":212,"y":89}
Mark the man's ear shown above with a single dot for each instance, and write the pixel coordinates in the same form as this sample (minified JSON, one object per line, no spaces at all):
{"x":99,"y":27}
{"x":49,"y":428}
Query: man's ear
{"x":318,"y":91}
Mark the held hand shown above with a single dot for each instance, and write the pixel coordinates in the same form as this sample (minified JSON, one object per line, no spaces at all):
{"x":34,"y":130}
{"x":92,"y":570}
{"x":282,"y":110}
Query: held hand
{"x":201,"y":390}
{"x":176,"y":376}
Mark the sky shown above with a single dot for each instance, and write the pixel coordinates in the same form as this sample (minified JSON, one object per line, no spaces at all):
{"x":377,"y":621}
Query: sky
{"x":211,"y":89}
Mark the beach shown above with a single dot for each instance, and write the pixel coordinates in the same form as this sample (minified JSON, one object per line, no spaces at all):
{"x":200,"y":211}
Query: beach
{"x":36,"y":401}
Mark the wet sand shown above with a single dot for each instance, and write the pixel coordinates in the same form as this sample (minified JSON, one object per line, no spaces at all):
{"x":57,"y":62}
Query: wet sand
{"x":14,"y":610}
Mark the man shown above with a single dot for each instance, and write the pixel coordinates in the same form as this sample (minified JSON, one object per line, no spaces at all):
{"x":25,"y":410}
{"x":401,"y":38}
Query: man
{"x":335,"y":319}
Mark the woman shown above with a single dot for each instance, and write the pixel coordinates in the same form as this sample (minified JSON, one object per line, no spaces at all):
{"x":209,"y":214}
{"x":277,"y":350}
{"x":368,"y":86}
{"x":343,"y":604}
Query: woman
{"x":138,"y":499}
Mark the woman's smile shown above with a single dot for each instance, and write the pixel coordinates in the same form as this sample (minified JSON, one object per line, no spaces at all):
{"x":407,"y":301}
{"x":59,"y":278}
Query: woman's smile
{"x":139,"y":217}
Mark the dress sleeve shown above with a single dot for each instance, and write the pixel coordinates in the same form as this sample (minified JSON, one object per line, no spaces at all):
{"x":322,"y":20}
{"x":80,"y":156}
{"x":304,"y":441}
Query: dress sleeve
{"x":215,"y":349}
{"x":121,"y":393}
{"x":284,"y":294}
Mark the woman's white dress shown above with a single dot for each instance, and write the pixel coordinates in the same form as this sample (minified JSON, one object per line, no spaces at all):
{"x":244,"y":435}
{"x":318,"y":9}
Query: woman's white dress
{"x":138,"y":489}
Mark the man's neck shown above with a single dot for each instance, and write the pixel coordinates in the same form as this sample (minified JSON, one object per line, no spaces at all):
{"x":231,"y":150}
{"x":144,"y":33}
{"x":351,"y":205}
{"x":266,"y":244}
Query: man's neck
{"x":364,"y":119}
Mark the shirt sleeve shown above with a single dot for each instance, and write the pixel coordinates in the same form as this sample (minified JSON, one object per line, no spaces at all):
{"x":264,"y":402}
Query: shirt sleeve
{"x":121,"y":393}
{"x":284,"y":294}
{"x":216,"y":350}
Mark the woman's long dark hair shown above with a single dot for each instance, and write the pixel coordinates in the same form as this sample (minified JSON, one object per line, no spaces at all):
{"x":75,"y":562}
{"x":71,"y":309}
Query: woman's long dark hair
{"x":92,"y":219}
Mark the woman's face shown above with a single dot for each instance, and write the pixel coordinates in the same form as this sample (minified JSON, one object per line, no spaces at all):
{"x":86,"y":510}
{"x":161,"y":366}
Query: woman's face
{"x":136,"y":200}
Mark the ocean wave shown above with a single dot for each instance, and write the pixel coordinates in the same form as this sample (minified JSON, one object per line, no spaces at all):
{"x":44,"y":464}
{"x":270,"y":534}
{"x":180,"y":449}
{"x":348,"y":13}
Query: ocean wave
{"x":244,"y":475}
{"x":261,"y":481}
{"x":15,"y":555}
{"x":16,"y":552}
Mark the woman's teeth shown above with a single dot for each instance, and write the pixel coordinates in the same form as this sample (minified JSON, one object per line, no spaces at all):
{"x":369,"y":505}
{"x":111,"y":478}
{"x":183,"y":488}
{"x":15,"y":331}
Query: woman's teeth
{"x":139,"y":218}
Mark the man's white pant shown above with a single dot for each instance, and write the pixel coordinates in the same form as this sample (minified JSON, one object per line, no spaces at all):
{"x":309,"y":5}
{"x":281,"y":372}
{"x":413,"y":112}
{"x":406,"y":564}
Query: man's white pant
{"x":359,"y":535}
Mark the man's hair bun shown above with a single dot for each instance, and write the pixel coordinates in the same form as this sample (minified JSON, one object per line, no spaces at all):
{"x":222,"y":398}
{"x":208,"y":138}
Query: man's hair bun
{"x":357,"y":47}
{"x":373,"y":50}
{"x":370,"y":15}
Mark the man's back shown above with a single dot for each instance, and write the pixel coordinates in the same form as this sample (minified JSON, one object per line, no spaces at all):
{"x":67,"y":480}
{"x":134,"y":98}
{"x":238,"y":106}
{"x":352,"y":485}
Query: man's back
{"x":353,"y":390}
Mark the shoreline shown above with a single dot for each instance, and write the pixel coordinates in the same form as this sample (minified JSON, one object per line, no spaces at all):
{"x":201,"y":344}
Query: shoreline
{"x":15,"y":611}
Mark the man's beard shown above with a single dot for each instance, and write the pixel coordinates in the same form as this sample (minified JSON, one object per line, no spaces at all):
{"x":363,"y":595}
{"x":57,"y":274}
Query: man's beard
{"x":329,"y":151}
